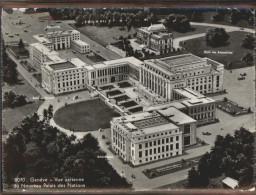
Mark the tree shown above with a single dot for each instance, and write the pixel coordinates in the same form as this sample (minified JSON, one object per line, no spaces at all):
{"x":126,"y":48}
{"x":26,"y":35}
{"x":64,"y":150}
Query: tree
{"x":247,"y":58}
{"x":79,"y":21}
{"x":216,"y":37}
{"x":248,"y":41}
{"x":21,"y":44}
{"x":177,"y":22}
{"x":193,"y":178}
{"x":50,"y":112}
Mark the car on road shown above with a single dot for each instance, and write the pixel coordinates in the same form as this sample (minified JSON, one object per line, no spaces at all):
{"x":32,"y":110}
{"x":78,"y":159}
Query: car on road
{"x":17,"y":34}
{"x":206,"y":133}
{"x":25,"y":30}
{"x":58,"y":22}
{"x":241,"y":28}
{"x":7,"y":33}
{"x":74,"y":51}
{"x":11,"y":36}
{"x":243,"y":74}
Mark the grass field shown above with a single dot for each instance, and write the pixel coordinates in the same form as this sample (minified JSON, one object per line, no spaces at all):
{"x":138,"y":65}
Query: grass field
{"x":85,"y":116}
{"x":194,"y":30}
{"x":105,"y":35}
{"x":12,"y":117}
{"x":198,"y":46}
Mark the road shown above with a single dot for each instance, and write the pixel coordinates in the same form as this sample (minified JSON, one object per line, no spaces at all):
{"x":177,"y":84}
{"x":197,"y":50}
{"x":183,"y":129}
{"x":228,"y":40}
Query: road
{"x":176,"y":41}
{"x":30,"y":79}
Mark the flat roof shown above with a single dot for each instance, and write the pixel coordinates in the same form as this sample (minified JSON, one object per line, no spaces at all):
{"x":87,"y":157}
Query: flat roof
{"x":181,"y":59}
{"x":176,"y":116}
{"x":44,"y":49}
{"x":150,"y":122}
{"x":175,"y":104}
{"x":62,"y":65}
{"x":121,"y":61}
{"x":233,"y":183}
{"x":41,"y":38}
{"x":144,"y":123}
{"x":189,"y":93}
{"x":80,"y":42}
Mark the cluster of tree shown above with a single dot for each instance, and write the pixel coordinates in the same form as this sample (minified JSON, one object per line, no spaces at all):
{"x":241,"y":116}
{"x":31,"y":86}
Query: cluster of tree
{"x":30,"y":11}
{"x":125,"y":45}
{"x":12,"y":99}
{"x":216,"y":37}
{"x":218,"y":15}
{"x":8,"y":10}
{"x":9,"y":71}
{"x":177,"y":22}
{"x":241,"y":14}
{"x":247,"y":58}
{"x":231,"y":156}
{"x":249,"y":41}
{"x":35,"y":147}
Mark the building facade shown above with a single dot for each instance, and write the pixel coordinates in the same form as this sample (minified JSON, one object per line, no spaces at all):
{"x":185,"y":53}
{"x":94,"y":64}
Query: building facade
{"x":163,"y":75}
{"x":40,"y":54}
{"x":64,"y":77}
{"x":199,"y":107}
{"x":145,"y":137}
{"x":80,"y":46}
{"x":113,"y":71}
{"x":156,"y":38}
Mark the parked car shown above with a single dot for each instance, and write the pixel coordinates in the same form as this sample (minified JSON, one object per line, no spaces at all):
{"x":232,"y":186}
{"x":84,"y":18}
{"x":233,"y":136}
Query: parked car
{"x":25,"y":31}
{"x":74,"y":51}
{"x":241,"y":78}
{"x":243,"y":74}
{"x":7,"y":33}
{"x":11,"y":36}
{"x":17,"y":34}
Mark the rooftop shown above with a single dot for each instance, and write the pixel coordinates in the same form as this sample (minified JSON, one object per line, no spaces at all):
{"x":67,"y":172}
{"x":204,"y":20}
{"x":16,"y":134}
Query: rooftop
{"x":156,"y":27}
{"x":188,"y":93}
{"x":44,"y":49}
{"x":232,"y":183}
{"x":144,"y":123}
{"x":40,"y":38}
{"x":176,"y":116}
{"x":129,"y":60}
{"x":62,"y":65}
{"x":80,"y":42}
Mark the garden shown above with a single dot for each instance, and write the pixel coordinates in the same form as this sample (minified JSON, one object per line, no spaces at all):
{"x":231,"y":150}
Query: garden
{"x":85,"y":116}
{"x":231,"y":107}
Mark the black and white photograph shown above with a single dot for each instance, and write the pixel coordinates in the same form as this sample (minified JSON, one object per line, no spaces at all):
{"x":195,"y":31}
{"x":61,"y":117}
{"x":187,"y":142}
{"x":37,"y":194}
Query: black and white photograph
{"x":128,"y":99}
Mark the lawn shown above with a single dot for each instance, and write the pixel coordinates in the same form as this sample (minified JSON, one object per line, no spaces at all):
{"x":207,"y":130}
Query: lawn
{"x":12,"y":117}
{"x":197,"y":46}
{"x":85,"y":116}
{"x":195,"y":30}
{"x":105,"y":35}
{"x":124,"y":84}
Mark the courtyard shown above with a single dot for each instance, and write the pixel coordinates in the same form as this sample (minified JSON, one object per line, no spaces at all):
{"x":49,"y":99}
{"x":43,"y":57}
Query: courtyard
{"x":85,"y":116}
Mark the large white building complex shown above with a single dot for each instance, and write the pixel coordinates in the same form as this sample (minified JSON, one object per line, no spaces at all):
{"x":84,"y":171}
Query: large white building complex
{"x":156,"y":38}
{"x":65,"y":76}
{"x":46,"y":46}
{"x":150,"y":136}
{"x":163,"y":75}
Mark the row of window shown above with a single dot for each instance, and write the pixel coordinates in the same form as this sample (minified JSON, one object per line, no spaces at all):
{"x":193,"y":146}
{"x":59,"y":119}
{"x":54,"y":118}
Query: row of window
{"x":158,"y":134}
{"x":202,"y":108}
{"x":160,"y":156}
{"x":158,"y":150}
{"x":158,"y":142}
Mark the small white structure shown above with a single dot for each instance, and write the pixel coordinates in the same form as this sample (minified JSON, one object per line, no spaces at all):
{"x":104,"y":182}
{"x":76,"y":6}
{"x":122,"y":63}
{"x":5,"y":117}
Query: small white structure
{"x":230,"y":182}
